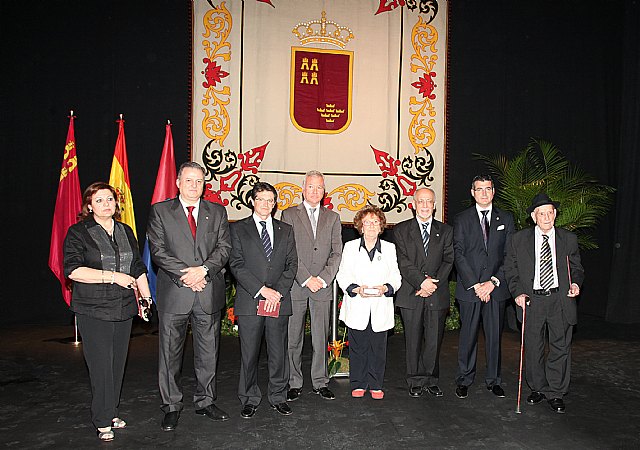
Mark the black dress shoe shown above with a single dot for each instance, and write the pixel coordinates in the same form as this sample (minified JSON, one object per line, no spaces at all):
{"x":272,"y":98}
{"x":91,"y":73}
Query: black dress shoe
{"x":248,"y":411}
{"x":325,"y":393}
{"x":557,"y":405}
{"x":496,"y":390}
{"x":415,"y":391}
{"x":461,"y":391}
{"x":170,"y":421}
{"x":293,"y":394}
{"x":434,"y":390}
{"x":282,"y":408}
{"x":535,"y":397}
{"x":213,"y":413}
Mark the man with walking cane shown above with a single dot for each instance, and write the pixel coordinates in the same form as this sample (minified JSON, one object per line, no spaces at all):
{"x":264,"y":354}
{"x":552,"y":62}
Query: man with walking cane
{"x":543,"y":269}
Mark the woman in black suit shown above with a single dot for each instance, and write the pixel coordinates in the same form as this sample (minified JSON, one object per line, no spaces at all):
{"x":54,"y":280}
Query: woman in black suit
{"x":102,"y":258}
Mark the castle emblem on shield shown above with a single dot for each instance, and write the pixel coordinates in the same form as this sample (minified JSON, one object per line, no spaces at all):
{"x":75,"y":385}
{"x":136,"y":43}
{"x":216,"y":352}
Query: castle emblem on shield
{"x":321,"y":79}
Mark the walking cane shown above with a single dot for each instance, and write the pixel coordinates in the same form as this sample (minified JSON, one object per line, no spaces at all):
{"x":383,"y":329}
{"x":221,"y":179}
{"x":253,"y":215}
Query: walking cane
{"x":524,"y":317}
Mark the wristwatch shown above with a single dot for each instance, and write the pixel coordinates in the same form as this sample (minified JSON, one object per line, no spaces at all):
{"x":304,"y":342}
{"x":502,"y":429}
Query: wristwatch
{"x":495,"y":281}
{"x":206,"y":269}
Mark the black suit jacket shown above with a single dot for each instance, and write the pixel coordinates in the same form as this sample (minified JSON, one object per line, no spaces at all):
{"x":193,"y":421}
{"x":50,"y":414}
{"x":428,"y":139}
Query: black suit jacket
{"x":414,"y":264}
{"x":252,"y":270}
{"x":474,"y":262}
{"x":173,"y":248}
{"x":520,"y":266}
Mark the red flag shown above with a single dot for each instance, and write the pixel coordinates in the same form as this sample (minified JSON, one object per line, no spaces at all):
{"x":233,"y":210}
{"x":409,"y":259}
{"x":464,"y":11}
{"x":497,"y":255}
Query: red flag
{"x":68,"y":205}
{"x":166,"y":178}
{"x":165,"y":188}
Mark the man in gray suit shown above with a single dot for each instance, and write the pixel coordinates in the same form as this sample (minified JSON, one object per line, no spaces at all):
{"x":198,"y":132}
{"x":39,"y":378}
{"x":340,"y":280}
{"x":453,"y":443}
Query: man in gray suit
{"x":425,"y":258}
{"x":318,"y":234}
{"x":189,"y":241}
{"x":264,"y":262}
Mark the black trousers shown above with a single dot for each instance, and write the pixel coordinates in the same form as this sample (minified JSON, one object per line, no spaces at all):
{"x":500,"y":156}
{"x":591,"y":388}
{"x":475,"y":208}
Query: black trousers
{"x":423,"y":331}
{"x":492,"y":316}
{"x":367,"y":358}
{"x":550,"y":375}
{"x":205,"y":329}
{"x":251,"y":330}
{"x":105,"y":346}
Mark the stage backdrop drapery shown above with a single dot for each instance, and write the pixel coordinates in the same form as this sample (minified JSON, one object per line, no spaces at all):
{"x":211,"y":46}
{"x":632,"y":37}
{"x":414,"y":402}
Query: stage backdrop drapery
{"x":355,"y":89}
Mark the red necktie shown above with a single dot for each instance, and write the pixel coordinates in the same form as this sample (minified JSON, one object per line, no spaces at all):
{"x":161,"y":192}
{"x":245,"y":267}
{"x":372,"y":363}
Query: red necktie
{"x":192,"y":220}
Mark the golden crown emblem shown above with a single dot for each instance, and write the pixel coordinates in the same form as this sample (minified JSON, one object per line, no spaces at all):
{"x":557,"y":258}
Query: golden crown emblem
{"x":323,"y":31}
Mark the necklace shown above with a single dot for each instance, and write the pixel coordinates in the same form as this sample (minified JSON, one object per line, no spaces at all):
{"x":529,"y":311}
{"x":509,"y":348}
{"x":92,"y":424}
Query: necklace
{"x":110,"y":229}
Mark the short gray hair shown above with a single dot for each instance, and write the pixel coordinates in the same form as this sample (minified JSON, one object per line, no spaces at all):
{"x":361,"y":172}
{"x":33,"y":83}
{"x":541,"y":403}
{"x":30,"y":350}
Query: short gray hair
{"x":312,"y":173}
{"x":190,"y":165}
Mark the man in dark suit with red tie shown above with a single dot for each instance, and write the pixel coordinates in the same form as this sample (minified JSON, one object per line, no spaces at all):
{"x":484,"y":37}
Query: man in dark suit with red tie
{"x":189,"y":241}
{"x":264,"y":263}
{"x":479,"y":240}
{"x":425,"y":256}
{"x":544,"y":273}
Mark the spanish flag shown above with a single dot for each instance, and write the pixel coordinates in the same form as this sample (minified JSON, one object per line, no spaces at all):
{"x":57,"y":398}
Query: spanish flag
{"x":68,"y":205}
{"x":119,"y":179}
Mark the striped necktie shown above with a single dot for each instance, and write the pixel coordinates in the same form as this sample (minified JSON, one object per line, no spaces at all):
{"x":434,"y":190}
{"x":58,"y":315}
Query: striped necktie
{"x":266,"y":241}
{"x":546,"y":264}
{"x":425,"y":237}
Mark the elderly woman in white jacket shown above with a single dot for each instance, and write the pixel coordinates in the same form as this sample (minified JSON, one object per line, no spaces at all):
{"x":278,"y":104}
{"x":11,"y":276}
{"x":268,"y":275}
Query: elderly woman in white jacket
{"x":369,"y":276}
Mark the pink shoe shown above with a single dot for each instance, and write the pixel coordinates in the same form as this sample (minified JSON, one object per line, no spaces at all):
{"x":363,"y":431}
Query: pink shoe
{"x":377,"y":394}
{"x":357,"y":393}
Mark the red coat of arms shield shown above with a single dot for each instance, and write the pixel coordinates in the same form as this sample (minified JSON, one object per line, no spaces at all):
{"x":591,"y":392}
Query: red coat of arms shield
{"x":321,"y":89}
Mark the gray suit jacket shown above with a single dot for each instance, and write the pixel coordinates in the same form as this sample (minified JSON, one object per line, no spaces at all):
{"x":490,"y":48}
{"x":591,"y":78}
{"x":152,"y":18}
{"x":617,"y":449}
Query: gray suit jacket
{"x":474,"y":263}
{"x":252,"y":270}
{"x":319,"y":256}
{"x":173,"y":248}
{"x":414,"y":264}
{"x":520,"y":266}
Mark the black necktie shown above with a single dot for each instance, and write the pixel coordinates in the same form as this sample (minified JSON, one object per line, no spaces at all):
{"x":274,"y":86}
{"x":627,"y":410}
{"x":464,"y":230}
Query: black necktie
{"x":266,"y":241}
{"x":546,"y":264}
{"x":485,"y":227}
{"x":425,"y":237}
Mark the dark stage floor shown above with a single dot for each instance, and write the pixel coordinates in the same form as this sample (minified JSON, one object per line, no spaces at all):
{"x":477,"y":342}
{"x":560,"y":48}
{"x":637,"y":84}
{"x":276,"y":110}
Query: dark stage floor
{"x":45,"y":401}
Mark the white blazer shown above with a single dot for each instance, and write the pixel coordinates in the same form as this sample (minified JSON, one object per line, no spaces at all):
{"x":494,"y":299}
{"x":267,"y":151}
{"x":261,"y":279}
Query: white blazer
{"x":356,"y":268}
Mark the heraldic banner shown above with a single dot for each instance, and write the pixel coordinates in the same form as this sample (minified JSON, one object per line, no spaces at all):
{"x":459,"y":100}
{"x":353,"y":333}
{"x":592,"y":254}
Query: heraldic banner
{"x":353,"y":88}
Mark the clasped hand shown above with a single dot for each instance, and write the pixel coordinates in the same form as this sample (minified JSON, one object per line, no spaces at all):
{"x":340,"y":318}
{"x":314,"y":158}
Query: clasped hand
{"x":428,"y":287}
{"x":194,"y":278}
{"x":271,"y":297}
{"x":484,"y":290}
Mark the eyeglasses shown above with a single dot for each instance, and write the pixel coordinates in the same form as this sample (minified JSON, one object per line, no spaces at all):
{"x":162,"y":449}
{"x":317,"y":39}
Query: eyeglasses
{"x":368,"y":223}
{"x":269,"y":201}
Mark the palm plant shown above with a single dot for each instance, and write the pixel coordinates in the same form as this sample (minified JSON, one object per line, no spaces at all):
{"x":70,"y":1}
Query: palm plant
{"x":541,"y":167}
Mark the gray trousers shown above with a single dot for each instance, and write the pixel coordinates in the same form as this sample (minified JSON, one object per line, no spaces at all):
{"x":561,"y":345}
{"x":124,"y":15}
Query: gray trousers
{"x":205,"y":329}
{"x":320,"y":312}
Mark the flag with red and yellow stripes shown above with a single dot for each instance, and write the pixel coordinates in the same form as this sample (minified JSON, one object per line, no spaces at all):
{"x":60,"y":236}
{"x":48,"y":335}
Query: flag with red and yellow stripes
{"x":119,"y":179}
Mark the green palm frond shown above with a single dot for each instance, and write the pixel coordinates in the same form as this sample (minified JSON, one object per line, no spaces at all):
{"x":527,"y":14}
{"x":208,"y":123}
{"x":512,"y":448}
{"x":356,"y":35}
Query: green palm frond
{"x":541,"y":167}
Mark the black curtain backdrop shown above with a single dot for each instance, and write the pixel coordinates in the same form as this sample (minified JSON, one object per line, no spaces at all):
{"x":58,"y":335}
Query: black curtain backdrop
{"x":549,"y":69}
{"x":623,"y":305}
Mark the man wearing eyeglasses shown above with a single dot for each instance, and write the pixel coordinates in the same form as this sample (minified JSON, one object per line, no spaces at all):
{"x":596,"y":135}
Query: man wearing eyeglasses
{"x":479,"y":240}
{"x":318,"y":235}
{"x":264,"y":262}
{"x":425,"y":258}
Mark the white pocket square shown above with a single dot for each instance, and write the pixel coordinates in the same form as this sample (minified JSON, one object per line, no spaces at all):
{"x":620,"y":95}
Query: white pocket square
{"x":501,"y":227}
